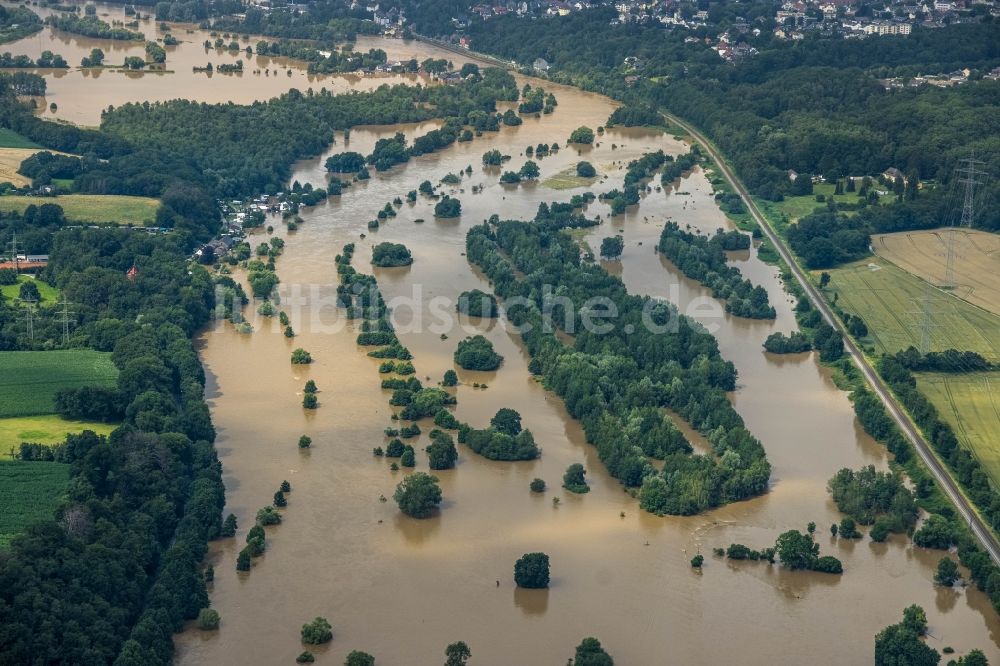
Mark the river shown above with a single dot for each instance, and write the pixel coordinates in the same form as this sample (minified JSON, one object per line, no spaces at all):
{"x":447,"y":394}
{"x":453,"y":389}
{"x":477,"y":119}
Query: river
{"x":402,"y":589}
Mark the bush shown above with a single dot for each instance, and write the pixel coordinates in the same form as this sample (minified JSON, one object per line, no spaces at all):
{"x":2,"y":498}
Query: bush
{"x":448,"y":207}
{"x":585,"y":170}
{"x":301,"y":357}
{"x":476,"y":353}
{"x":582,"y":135}
{"x":450,"y":378}
{"x":947,"y":572}
{"x":828,"y":564}
{"x":477,"y":303}
{"x":779,"y":343}
{"x":243,"y":560}
{"x":441,"y":452}
{"x":936,"y":532}
{"x":574,"y":479}
{"x":532,"y":571}
{"x":537,"y":485}
{"x":358,"y":658}
{"x":418,"y":495}
{"x":445,"y":419}
{"x":305,"y":658}
{"x":305,"y":442}
{"x":268,"y":516}
{"x":317,"y":632}
{"x":310,"y":401}
{"x":208,"y":619}
{"x":391,"y":254}
{"x":697,"y":561}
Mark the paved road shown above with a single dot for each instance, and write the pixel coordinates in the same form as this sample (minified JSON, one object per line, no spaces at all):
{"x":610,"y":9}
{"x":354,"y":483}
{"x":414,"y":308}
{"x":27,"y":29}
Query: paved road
{"x":906,"y":424}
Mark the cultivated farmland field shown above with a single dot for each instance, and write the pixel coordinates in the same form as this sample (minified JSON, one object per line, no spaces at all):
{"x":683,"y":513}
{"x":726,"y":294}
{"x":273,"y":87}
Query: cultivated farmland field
{"x":924,"y":254}
{"x":891,"y":303}
{"x":29,"y":380}
{"x":970,"y":403}
{"x":10,"y":162}
{"x":29,"y":491}
{"x":43,"y":429}
{"x":96,"y":208}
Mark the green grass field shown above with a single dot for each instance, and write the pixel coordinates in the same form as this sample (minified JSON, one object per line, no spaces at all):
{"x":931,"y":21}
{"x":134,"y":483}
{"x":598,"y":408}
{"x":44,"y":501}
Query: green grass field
{"x":29,"y":380}
{"x":29,"y":492}
{"x":44,"y":429}
{"x":780,"y":213}
{"x":98,"y":208}
{"x":11,"y":139}
{"x":49,"y":294}
{"x":970,"y":403}
{"x":891,"y":302}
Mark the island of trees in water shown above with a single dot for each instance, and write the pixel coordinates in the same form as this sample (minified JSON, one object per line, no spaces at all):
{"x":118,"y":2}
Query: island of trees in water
{"x":680,"y":369}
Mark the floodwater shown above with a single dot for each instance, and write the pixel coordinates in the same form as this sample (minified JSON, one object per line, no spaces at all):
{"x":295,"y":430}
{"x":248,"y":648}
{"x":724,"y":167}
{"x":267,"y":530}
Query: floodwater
{"x":80,"y":95}
{"x":402,"y":589}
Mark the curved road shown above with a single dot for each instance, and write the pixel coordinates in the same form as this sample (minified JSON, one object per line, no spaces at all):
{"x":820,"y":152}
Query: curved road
{"x":906,"y":424}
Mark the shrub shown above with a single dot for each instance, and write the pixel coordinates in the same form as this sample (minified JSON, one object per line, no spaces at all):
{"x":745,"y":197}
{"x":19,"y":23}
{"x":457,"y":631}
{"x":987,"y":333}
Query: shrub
{"x":532,"y":571}
{"x":574,"y":479}
{"x":301,"y":357}
{"x":391,"y":254}
{"x":268,"y":516}
{"x":317,"y":632}
{"x":305,"y":441}
{"x":476,"y":353}
{"x":418,"y":494}
{"x":208,"y":619}
{"x":537,"y":485}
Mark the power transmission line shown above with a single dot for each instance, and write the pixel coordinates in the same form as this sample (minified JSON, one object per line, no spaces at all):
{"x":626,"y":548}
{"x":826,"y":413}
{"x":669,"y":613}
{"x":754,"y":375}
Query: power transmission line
{"x":29,"y":311}
{"x":65,"y":319}
{"x":970,"y":175}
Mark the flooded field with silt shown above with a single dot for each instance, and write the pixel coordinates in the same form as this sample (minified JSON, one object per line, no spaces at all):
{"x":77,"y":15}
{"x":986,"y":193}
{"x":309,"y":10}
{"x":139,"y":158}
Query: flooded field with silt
{"x":402,"y":589}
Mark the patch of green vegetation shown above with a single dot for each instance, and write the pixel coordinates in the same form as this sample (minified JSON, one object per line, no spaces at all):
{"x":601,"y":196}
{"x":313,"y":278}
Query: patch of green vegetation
{"x":29,"y":492}
{"x":44,"y":429}
{"x":11,"y":139}
{"x":970,"y":404}
{"x":567,"y":180}
{"x":48,"y":293}
{"x":29,"y":380}
{"x":113,"y":208}
{"x":891,"y":301}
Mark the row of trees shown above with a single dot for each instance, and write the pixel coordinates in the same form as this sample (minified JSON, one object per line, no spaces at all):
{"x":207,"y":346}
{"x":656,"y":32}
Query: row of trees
{"x":704,"y":259}
{"x":91,"y":26}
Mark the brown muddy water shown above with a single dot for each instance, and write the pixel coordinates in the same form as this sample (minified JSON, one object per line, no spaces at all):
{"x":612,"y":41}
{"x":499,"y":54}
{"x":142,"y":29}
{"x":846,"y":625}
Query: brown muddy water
{"x":402,"y":589}
{"x":80,"y":95}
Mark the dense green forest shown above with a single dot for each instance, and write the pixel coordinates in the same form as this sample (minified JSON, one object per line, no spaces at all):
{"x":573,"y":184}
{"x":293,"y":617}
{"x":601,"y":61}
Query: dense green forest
{"x":241,"y":150}
{"x":616,"y":381}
